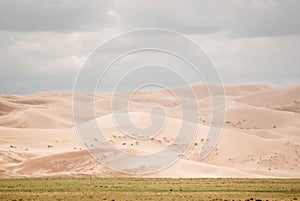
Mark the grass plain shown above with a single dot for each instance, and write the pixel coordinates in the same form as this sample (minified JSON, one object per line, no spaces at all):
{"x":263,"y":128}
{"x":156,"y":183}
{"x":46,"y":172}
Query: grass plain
{"x":121,"y":189}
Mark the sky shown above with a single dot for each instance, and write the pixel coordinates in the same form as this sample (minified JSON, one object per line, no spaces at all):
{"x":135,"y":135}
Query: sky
{"x":44,"y":43}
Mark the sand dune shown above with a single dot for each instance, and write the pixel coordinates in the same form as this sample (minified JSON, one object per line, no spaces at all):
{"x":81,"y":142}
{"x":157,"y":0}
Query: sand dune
{"x":274,"y":97}
{"x":246,"y":117}
{"x":260,"y":137}
{"x":246,"y":89}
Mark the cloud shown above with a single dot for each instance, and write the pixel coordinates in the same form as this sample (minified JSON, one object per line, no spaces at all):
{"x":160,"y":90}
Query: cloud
{"x":43,"y":42}
{"x":55,"y":15}
{"x":239,"y":18}
{"x":273,"y":60}
{"x":246,"y":18}
{"x":43,"y":61}
{"x":267,"y":18}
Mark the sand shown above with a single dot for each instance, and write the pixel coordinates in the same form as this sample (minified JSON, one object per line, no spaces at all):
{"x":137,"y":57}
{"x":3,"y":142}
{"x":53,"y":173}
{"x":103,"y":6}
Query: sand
{"x":261,"y":135}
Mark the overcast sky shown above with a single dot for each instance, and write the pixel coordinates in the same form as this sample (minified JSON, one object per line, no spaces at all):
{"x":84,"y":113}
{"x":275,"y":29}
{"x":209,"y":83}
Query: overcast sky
{"x":44,"y":42}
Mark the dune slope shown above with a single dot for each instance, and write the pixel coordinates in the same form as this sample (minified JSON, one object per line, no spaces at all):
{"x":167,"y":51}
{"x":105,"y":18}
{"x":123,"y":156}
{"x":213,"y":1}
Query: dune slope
{"x":261,"y":133}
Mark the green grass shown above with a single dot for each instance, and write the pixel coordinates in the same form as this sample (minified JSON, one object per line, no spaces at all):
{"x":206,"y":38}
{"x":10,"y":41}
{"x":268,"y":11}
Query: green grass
{"x":149,"y":189}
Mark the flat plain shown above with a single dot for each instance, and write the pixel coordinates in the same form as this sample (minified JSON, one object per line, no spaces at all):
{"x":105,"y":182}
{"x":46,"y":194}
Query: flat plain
{"x":119,"y":189}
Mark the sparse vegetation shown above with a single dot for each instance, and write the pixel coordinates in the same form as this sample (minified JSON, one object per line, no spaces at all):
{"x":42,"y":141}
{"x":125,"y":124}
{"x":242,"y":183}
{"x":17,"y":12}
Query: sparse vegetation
{"x":149,"y":189}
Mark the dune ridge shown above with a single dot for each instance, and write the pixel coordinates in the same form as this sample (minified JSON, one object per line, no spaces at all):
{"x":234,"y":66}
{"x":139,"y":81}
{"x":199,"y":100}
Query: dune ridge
{"x":261,"y":135}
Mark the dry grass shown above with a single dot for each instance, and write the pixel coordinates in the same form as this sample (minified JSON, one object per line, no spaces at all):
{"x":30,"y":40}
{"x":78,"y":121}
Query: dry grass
{"x":149,"y":189}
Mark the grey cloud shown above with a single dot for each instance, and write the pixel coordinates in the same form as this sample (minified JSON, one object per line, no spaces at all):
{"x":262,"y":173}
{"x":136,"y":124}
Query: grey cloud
{"x":23,"y":81}
{"x":54,"y":15}
{"x":182,"y":16}
{"x":42,"y":42}
{"x":274,"y":60}
{"x":248,"y":18}
{"x":275,"y":18}
{"x":36,"y":62}
{"x":238,"y":18}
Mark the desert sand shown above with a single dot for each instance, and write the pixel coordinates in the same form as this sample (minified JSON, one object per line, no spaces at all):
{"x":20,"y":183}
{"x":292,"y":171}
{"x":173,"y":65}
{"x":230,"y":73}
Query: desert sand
{"x":261,"y":135}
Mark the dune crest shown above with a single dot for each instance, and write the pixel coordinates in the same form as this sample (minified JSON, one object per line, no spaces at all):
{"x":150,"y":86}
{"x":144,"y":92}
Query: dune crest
{"x":261,"y":136}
